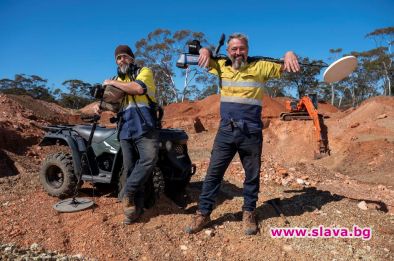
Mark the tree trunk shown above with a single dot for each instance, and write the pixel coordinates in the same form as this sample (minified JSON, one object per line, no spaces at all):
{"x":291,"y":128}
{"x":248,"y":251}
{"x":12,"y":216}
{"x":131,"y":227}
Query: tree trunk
{"x":174,"y":88}
{"x":169,"y":75}
{"x":185,"y":85}
{"x":353,"y":98}
{"x":387,"y":79}
{"x":332,"y":94}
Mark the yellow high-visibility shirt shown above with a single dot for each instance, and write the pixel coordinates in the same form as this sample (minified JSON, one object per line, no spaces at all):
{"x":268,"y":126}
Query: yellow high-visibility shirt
{"x":242,"y":91}
{"x":137,"y":115}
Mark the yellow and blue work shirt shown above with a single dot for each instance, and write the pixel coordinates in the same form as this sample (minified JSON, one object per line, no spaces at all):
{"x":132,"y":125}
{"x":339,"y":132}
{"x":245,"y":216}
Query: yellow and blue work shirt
{"x":133,"y":125}
{"x":241,"y":93}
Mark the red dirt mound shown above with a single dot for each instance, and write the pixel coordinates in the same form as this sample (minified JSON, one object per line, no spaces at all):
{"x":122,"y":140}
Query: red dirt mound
{"x":327,"y":108}
{"x":20,"y":126}
{"x":370,"y":109}
{"x":38,"y":109}
{"x":210,"y":105}
{"x":365,"y":138}
{"x":188,"y":115}
{"x":186,"y":108}
{"x":206,"y":112}
{"x":272,"y":108}
{"x":361,"y":143}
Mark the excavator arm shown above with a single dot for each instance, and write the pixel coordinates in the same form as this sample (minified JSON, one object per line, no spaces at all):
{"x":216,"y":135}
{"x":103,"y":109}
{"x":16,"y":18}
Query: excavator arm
{"x":304,"y":109}
{"x":322,"y":142}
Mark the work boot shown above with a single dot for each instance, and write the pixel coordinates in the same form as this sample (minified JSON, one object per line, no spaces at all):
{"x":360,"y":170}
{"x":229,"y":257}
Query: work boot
{"x":130,"y":210}
{"x":249,"y":222}
{"x":199,"y":221}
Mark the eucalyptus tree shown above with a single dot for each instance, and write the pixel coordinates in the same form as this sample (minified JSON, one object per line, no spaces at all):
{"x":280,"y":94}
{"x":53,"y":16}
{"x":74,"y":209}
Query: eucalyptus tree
{"x":160,"y":51}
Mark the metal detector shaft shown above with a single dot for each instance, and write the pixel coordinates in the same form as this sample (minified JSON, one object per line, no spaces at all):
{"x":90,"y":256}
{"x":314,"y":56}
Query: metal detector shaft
{"x":220,"y":44}
{"x":275,"y":60}
{"x":93,"y":130}
{"x":263,"y":58}
{"x":95,"y":120}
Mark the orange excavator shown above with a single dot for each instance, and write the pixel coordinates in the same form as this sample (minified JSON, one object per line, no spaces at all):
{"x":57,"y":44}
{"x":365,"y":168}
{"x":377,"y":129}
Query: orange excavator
{"x":306,"y":109}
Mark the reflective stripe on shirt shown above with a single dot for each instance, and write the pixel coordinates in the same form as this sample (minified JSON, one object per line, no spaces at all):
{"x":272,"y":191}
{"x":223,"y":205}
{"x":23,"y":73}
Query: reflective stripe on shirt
{"x":242,"y":84}
{"x":236,"y":99}
{"x":133,"y":105}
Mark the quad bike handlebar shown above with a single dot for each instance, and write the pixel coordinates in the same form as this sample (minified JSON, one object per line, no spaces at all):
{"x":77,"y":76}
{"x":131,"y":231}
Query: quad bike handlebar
{"x":88,"y":118}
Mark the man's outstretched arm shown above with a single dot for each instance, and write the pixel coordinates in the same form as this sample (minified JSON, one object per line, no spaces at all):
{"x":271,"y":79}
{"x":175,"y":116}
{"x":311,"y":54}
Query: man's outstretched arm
{"x":290,"y":62}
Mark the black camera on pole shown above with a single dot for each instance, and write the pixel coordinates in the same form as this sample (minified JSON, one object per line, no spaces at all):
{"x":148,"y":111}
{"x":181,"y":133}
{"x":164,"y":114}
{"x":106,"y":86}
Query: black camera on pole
{"x":194,"y":47}
{"x":191,"y":57}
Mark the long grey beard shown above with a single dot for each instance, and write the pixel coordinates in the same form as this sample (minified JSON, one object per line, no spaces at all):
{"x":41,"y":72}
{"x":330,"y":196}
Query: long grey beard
{"x":238,"y":63}
{"x":124,"y":68}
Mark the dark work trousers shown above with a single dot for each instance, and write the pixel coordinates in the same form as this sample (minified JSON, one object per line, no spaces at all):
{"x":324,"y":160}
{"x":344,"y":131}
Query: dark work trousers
{"x":226,"y":144}
{"x":139,"y":158}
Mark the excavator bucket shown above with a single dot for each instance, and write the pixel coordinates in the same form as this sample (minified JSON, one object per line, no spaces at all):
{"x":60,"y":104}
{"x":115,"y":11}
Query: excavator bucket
{"x":322,"y":151}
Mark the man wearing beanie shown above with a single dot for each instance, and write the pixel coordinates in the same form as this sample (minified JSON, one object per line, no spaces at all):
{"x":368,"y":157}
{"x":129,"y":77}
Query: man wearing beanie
{"x":137,"y":134}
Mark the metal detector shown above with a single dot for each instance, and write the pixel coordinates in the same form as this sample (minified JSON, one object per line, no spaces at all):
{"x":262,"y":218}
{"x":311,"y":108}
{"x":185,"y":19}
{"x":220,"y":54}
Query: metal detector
{"x":75,"y":203}
{"x":340,"y":69}
{"x":335,"y":72}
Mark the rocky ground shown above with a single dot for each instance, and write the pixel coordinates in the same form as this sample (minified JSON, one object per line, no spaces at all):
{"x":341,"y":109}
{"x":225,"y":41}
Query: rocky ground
{"x":351,"y":187}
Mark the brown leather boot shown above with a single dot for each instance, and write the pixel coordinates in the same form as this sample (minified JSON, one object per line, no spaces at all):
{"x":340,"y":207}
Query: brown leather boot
{"x":131,"y":212}
{"x":249,"y":223}
{"x":199,"y":221}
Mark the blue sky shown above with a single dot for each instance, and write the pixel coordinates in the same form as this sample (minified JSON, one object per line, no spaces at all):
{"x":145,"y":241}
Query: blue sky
{"x":61,"y":40}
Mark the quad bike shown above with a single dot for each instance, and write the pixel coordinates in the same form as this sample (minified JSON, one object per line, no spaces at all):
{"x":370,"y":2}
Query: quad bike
{"x":95,"y":156}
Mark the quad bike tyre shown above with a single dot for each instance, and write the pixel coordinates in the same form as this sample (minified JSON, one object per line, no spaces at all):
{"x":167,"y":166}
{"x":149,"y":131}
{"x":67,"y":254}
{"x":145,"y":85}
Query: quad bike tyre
{"x":57,"y":175}
{"x":153,"y":187}
{"x":176,"y":191}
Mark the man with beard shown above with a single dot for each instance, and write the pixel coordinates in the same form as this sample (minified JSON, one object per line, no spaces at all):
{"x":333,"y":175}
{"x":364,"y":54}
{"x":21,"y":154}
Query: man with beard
{"x":137,"y":133}
{"x":240,"y":127}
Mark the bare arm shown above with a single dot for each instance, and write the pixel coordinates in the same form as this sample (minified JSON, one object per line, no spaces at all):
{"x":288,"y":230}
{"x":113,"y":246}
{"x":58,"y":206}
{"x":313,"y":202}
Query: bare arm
{"x":204,"y":58}
{"x":290,"y":62}
{"x":131,"y":88}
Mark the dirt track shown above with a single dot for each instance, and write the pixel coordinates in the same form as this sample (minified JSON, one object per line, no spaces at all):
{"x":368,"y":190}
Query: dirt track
{"x":359,"y":169}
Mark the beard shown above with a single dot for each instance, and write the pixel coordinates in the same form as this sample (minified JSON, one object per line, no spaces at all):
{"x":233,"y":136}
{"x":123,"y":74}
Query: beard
{"x":124,"y":68}
{"x":238,"y":62}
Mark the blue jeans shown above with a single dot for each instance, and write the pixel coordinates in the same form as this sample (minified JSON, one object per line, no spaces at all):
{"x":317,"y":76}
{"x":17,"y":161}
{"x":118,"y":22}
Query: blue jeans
{"x":139,"y":158}
{"x":226,"y":144}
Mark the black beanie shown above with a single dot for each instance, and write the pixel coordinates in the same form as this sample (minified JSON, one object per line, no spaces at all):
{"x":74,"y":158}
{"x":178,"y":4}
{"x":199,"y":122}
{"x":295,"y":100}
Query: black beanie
{"x":123,"y":49}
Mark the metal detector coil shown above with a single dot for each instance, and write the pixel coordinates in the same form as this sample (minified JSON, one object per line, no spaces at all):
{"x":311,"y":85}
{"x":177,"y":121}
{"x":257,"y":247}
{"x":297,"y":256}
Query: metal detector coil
{"x":73,"y":205}
{"x":340,"y":69}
